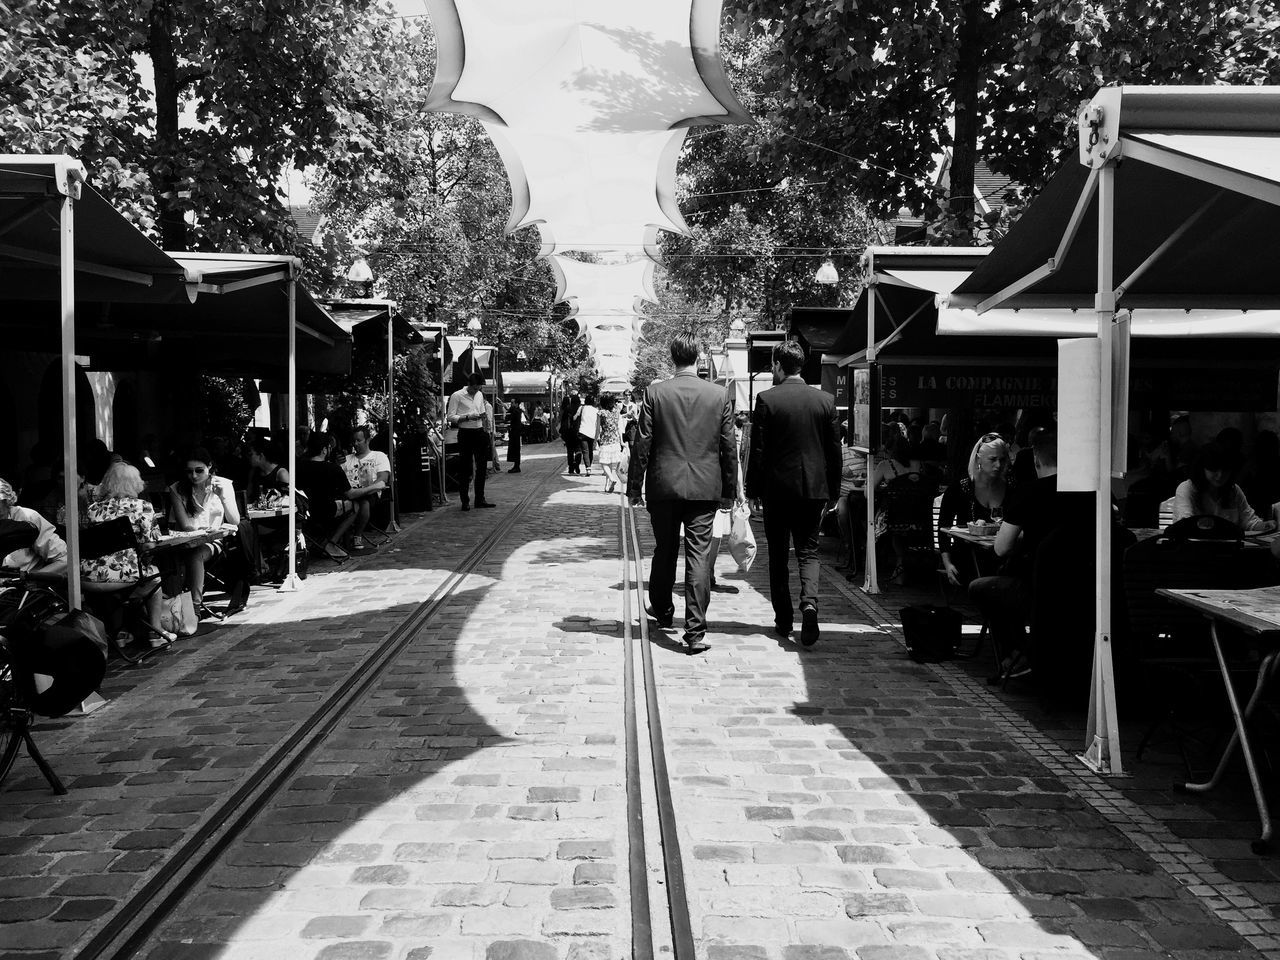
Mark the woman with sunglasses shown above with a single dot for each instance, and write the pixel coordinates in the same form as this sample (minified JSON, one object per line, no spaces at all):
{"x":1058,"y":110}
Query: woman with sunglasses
{"x":980,"y":496}
{"x":201,"y":500}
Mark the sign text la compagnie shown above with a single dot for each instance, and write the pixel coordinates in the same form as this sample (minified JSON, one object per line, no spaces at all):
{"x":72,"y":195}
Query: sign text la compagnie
{"x":919,"y":386}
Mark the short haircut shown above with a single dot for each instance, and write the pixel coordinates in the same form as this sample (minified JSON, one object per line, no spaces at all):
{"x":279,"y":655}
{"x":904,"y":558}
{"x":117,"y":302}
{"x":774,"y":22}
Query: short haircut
{"x":318,"y":443}
{"x":1045,"y":447}
{"x":269,"y":450}
{"x":608,"y":401}
{"x":475,"y":380}
{"x":121,"y":480}
{"x":365,"y":429}
{"x":7,"y":493}
{"x":790,"y":356}
{"x":684,"y":350}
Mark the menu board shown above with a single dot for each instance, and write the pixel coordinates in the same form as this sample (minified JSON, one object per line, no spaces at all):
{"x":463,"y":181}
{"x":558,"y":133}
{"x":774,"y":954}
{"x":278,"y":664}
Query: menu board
{"x":864,"y":411}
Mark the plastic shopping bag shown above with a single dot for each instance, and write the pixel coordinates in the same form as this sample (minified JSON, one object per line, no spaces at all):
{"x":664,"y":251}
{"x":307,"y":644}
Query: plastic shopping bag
{"x":722,"y":525}
{"x":742,"y":542}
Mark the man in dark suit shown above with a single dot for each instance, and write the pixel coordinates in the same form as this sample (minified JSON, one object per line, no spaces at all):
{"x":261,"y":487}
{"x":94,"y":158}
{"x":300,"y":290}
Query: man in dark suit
{"x":793,"y":471}
{"x":684,"y":453}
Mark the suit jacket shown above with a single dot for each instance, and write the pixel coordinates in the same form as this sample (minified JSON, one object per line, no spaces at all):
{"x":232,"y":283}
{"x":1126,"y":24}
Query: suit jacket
{"x":795,"y":444}
{"x":684,"y":447}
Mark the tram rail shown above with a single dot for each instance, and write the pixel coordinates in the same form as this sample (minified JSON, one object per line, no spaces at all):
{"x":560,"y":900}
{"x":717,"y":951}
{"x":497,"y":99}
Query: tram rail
{"x":128,"y":930}
{"x":681,"y":928}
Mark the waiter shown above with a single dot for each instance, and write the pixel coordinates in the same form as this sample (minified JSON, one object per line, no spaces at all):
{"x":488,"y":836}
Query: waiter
{"x":468,"y":413}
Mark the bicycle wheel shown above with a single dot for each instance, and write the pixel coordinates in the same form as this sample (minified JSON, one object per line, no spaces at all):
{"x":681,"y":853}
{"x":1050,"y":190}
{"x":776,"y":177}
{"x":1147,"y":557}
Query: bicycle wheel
{"x":12,"y":717}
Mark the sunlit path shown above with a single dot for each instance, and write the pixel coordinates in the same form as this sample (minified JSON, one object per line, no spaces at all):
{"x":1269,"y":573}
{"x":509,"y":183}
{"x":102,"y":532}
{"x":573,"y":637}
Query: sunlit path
{"x":832,"y":802}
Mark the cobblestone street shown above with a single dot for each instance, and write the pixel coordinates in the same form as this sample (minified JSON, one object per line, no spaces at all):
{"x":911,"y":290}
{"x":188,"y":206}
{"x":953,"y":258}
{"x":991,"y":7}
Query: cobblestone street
{"x":834,"y":802}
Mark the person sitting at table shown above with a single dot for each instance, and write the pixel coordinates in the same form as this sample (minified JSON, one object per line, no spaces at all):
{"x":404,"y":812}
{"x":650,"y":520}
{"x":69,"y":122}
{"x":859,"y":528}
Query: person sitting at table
{"x":899,"y":460}
{"x":1036,"y":511}
{"x":330,"y":494}
{"x":369,"y":473}
{"x":120,"y":495}
{"x":979,"y":496}
{"x":48,"y":554}
{"x":201,"y":500}
{"x":1212,"y":490}
{"x":266,"y":476}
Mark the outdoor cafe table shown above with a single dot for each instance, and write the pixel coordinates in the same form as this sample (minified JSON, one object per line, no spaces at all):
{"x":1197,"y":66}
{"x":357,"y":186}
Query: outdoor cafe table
{"x":268,"y":513}
{"x":1257,"y":612}
{"x":181,"y":541}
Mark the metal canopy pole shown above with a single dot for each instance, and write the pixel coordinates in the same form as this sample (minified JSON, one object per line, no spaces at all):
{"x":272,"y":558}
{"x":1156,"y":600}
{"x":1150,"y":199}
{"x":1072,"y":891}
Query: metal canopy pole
{"x":1102,"y":746}
{"x":393,"y":526}
{"x":442,"y":496}
{"x":871,"y":584}
{"x":71,"y":471}
{"x":291,"y":581}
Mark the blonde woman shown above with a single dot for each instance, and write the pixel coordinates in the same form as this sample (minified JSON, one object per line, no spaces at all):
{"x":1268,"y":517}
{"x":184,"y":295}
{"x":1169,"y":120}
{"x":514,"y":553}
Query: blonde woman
{"x":119,"y":495}
{"x":981,"y":495}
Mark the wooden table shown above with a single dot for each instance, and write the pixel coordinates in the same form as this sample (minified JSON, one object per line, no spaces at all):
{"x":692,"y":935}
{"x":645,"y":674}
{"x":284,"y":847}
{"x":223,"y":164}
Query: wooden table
{"x":1257,"y":612}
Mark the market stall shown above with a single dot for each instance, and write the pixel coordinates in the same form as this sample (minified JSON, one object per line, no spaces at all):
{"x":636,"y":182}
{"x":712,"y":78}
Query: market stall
{"x":1186,"y":221}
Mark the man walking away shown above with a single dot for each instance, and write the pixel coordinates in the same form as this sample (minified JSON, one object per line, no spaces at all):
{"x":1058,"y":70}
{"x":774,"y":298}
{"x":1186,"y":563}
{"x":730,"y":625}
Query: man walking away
{"x":684,"y":454}
{"x":793,"y":470}
{"x":469,"y":412}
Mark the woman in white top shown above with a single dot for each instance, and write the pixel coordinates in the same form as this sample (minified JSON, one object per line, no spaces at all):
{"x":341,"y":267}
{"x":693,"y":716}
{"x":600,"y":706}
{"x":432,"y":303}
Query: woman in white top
{"x":201,"y":501}
{"x":1212,"y":490}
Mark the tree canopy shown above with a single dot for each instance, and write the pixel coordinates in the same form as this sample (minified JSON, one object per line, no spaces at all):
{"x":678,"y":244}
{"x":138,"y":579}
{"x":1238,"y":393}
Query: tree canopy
{"x":889,"y":84}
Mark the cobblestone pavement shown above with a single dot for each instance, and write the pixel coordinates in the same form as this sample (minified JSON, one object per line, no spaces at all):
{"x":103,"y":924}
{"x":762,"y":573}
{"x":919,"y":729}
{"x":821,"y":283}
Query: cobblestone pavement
{"x":833,"y":802}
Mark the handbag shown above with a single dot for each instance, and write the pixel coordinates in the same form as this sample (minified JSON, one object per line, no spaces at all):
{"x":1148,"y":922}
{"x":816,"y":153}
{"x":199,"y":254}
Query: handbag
{"x":742,"y":542}
{"x":178,"y":614}
{"x":61,"y":662}
{"x":932,"y":633}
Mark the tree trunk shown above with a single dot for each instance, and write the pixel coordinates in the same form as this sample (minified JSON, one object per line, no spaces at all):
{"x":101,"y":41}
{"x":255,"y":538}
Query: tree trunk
{"x":964,"y":89}
{"x":168,"y":161}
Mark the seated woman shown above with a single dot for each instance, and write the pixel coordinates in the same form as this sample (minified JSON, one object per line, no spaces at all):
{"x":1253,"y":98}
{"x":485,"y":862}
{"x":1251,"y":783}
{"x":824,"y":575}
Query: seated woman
{"x":201,"y":500}
{"x":1212,"y":490}
{"x":119,"y":495}
{"x":329,"y":493}
{"x":48,"y":554}
{"x":898,"y":461}
{"x":979,"y":496}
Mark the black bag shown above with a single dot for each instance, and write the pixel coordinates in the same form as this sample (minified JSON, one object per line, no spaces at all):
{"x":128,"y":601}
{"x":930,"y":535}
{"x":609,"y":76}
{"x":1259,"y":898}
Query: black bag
{"x":60,"y":662}
{"x":932,"y":633}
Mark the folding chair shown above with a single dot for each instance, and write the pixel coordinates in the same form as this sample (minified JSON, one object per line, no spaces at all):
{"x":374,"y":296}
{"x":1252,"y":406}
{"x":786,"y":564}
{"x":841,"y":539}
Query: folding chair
{"x":382,"y":517}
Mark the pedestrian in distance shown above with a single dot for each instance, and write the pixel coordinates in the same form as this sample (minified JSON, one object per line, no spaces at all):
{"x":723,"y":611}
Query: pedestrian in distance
{"x":570,"y":407}
{"x":588,"y":429}
{"x":515,"y":425}
{"x":686,"y":460}
{"x":469,"y":413}
{"x":792,"y":473}
{"x":610,"y":442}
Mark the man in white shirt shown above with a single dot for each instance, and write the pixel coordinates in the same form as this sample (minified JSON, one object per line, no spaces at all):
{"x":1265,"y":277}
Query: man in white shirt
{"x":588,"y":427}
{"x":369,"y":472}
{"x":469,"y":413}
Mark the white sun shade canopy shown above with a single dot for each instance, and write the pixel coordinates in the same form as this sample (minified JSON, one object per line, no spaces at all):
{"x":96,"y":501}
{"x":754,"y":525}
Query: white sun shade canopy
{"x":588,"y":103}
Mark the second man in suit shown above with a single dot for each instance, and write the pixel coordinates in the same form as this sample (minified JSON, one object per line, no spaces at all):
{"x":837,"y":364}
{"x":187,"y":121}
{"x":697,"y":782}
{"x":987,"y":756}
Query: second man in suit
{"x":685,"y":455}
{"x":793,"y":471}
